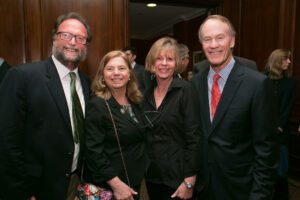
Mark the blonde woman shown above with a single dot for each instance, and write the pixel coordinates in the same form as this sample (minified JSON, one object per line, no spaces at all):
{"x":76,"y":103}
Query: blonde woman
{"x":115,"y":83}
{"x":173,"y":136}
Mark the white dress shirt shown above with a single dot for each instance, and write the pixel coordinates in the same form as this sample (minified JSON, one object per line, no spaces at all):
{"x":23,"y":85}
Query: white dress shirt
{"x":65,"y":79}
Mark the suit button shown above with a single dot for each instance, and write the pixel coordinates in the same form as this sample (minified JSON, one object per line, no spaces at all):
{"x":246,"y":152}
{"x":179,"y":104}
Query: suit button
{"x":68,"y":175}
{"x":70,"y":153}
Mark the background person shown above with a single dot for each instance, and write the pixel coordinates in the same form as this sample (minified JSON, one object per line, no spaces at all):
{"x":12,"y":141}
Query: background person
{"x":184,"y":57}
{"x":239,"y":147}
{"x":284,"y":90}
{"x":40,"y":144}
{"x":138,"y":69}
{"x":116,"y":84}
{"x":173,"y":136}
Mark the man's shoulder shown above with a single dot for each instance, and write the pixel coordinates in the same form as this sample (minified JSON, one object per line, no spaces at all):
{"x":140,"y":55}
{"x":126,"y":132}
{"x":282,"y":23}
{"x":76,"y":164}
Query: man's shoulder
{"x":34,"y":65}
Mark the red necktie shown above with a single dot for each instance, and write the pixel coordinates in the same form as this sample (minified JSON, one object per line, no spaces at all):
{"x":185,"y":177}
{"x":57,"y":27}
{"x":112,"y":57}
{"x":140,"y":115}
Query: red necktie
{"x":215,"y":94}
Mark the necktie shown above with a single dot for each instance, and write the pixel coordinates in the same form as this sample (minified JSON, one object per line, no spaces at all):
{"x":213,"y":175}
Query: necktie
{"x":76,"y":110}
{"x":215,"y":94}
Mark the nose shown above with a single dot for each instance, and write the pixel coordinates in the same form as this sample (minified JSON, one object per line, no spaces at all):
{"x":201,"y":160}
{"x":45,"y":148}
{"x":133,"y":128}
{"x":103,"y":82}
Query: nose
{"x":116,"y":71}
{"x":73,"y":40}
{"x":214,"y":43}
{"x":164,"y":61}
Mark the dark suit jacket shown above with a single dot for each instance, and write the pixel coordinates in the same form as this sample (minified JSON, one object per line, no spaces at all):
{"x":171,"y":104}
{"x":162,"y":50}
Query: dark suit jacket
{"x":173,"y":136}
{"x":239,"y":157}
{"x":36,"y":142}
{"x":200,"y":66}
{"x":103,"y":161}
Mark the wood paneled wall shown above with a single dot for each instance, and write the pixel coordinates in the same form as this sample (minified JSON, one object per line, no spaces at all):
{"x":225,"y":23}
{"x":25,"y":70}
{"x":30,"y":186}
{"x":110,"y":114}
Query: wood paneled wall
{"x":262,"y":26}
{"x":26,"y":28}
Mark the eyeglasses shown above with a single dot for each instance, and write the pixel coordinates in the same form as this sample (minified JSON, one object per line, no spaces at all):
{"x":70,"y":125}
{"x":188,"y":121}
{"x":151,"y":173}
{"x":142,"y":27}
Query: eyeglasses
{"x":69,"y":36}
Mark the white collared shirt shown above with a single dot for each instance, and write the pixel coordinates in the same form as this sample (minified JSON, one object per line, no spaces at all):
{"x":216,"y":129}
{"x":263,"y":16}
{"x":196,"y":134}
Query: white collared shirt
{"x":65,"y":79}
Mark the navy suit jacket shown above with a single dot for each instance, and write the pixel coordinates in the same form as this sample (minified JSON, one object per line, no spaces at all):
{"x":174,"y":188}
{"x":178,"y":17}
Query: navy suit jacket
{"x":239,"y":146}
{"x":36,"y":142}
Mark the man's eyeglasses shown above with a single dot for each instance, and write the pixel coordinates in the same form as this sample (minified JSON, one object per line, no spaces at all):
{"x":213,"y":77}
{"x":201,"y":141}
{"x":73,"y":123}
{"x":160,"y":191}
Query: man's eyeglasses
{"x":69,"y":36}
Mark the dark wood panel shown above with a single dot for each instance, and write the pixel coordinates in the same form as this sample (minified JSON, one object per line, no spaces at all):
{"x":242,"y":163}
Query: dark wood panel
{"x":26,"y":31}
{"x":296,"y":64}
{"x":33,"y":30}
{"x":12,"y":37}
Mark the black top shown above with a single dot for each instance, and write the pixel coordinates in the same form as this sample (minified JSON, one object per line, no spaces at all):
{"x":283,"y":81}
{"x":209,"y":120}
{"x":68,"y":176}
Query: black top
{"x":173,"y":136}
{"x":284,"y":91}
{"x":103,"y":160}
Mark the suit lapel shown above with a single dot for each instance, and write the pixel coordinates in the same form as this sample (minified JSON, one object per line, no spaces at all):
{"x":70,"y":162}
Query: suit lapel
{"x":85,"y":87}
{"x":57,"y":91}
{"x":232,"y":84}
{"x":205,"y":102}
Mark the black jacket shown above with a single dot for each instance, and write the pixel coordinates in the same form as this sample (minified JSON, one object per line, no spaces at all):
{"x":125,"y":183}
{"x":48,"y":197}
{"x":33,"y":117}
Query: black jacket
{"x":173,"y":135}
{"x":36,"y":140}
{"x":103,"y":161}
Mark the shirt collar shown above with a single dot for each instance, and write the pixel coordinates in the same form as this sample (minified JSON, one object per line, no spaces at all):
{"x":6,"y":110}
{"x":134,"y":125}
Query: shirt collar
{"x":224,"y":73}
{"x":133,"y":64}
{"x":62,"y":70}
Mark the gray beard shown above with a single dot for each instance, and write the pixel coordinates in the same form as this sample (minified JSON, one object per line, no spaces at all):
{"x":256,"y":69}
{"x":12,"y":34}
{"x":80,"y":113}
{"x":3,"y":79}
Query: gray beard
{"x":66,"y":61}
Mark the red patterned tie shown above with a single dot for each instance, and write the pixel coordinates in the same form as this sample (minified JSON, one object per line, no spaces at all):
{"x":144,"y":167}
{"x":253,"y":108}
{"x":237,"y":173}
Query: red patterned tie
{"x":215,"y":94}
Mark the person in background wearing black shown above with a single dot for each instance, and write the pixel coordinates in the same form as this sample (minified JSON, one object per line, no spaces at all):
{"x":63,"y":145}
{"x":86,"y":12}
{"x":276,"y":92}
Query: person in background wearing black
{"x":173,"y":134}
{"x":185,"y":58}
{"x":284,"y":90}
{"x":115,"y":84}
{"x":138,"y":69}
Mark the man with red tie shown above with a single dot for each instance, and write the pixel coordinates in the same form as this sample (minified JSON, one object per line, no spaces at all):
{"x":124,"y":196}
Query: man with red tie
{"x":239,"y":156}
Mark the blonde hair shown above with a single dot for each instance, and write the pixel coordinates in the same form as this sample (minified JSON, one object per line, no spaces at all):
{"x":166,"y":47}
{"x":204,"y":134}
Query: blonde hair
{"x":275,"y":61}
{"x":99,"y":87}
{"x":165,"y":43}
{"x":221,"y":18}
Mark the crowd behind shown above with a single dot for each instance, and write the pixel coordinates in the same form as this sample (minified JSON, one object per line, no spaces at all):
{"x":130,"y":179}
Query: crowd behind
{"x":220,"y":135}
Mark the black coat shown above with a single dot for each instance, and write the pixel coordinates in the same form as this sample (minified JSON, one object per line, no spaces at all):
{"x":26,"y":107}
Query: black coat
{"x":173,"y":136}
{"x":103,"y":160}
{"x":36,"y":140}
{"x":284,"y":91}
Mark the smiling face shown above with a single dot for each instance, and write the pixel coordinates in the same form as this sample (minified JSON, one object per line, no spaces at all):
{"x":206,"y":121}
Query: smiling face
{"x":165,"y":63}
{"x":70,"y":53}
{"x":217,"y":42}
{"x":116,"y":74}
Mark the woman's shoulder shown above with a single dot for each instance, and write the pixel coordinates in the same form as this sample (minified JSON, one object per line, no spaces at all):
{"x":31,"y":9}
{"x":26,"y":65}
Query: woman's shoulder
{"x":96,"y":101}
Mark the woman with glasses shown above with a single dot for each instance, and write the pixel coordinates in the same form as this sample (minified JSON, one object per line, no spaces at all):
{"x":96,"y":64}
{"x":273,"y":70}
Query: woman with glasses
{"x":115,"y":84}
{"x":173,"y":133}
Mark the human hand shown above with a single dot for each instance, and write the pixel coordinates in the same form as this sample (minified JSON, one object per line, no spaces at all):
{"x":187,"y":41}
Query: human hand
{"x":121,"y":190}
{"x":183,"y":192}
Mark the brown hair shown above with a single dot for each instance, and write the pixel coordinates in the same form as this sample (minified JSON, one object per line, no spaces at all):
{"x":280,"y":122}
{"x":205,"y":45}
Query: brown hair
{"x":165,"y":43}
{"x":99,"y":87}
{"x":274,"y":64}
{"x":72,"y":15}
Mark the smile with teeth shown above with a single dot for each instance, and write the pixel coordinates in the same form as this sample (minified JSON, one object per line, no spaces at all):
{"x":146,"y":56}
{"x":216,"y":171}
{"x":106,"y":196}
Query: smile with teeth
{"x":70,"y":49}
